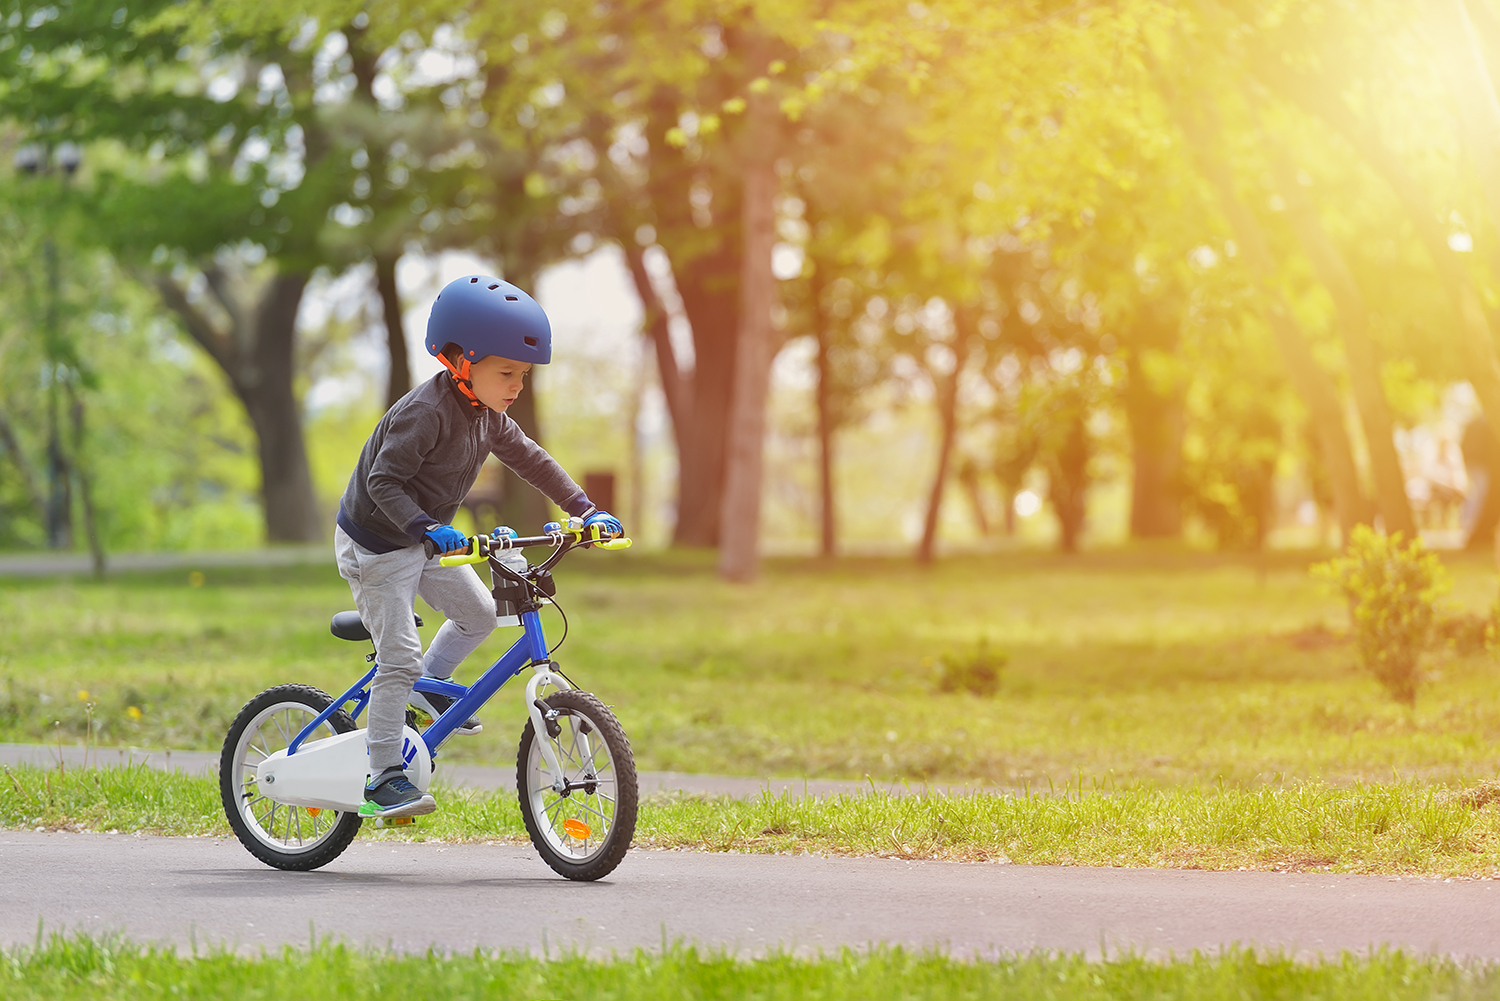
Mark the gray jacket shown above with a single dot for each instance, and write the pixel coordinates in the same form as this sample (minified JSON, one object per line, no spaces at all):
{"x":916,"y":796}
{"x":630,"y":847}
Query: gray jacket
{"x":423,"y":458}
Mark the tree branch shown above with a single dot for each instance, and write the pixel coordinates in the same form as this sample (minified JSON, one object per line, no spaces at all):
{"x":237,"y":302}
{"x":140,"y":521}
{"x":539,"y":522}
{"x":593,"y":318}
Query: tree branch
{"x":659,"y":332}
{"x":28,"y":474}
{"x":218,"y":283}
{"x":198,"y":326}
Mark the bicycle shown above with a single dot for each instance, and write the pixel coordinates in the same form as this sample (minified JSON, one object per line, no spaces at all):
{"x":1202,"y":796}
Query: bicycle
{"x":294,"y":765}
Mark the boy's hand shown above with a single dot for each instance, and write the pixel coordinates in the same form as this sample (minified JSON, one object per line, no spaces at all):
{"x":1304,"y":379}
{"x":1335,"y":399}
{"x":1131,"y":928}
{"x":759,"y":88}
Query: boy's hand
{"x":447,"y":538}
{"x":602,"y":525}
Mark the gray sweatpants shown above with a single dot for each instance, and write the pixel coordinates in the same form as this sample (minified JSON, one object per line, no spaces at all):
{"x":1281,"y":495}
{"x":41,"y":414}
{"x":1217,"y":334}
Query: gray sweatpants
{"x":385,"y":585}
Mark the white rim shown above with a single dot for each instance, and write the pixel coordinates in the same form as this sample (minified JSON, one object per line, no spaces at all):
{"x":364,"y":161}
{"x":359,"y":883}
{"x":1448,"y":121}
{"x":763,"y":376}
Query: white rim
{"x":291,"y":830}
{"x":584,"y":758}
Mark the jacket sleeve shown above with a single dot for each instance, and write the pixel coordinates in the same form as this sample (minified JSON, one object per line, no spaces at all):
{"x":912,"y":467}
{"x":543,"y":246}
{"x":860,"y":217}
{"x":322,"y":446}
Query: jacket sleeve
{"x":532,"y":463}
{"x":409,"y":439}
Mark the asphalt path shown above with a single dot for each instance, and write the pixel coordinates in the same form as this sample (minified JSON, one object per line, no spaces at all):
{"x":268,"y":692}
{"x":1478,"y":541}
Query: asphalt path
{"x":411,"y":896}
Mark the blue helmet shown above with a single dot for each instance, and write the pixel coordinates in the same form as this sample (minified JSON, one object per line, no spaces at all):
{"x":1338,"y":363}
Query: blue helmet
{"x":487,"y":316}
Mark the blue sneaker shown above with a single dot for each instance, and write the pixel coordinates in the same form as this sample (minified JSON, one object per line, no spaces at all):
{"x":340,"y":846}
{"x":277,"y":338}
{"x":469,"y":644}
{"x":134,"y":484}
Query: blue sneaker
{"x":391,"y":794}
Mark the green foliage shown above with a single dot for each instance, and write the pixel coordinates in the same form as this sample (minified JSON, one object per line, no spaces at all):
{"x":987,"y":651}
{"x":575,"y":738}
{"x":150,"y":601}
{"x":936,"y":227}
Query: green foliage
{"x":1392,"y":592}
{"x":168,"y":452}
{"x":976,"y":671}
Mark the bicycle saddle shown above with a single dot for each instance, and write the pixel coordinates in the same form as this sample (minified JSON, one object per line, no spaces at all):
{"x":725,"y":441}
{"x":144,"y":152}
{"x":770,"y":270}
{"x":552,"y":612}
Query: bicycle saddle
{"x":349,"y":626}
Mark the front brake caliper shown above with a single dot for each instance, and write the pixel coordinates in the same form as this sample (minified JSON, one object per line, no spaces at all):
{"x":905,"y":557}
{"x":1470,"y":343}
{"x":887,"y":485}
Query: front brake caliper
{"x":549,"y":716}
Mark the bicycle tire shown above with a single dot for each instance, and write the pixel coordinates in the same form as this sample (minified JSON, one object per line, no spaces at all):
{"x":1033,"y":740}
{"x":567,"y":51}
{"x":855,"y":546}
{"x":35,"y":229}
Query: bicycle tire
{"x":546,"y":812}
{"x":239,"y":794}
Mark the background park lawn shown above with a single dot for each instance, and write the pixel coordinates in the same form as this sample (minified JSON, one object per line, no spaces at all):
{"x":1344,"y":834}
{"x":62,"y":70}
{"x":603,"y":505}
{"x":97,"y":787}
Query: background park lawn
{"x":1125,"y":668}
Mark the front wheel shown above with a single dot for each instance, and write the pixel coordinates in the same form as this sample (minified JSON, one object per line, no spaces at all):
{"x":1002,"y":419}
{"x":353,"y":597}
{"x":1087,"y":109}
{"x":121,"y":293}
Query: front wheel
{"x":583,"y":830}
{"x":287,"y":837}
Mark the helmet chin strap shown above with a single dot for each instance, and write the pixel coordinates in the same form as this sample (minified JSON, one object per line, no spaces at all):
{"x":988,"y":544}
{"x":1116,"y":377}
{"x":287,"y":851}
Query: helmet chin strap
{"x":461,"y":377}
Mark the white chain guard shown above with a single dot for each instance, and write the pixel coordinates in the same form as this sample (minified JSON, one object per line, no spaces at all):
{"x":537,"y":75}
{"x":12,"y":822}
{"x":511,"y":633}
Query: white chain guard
{"x":331,"y":773}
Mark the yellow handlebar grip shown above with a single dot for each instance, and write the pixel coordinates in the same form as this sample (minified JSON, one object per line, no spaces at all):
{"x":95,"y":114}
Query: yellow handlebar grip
{"x":613,"y":544}
{"x":458,"y":561}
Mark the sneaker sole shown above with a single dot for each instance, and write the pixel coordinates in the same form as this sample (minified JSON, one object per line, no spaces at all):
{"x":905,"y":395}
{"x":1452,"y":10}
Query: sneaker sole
{"x":417,"y":808}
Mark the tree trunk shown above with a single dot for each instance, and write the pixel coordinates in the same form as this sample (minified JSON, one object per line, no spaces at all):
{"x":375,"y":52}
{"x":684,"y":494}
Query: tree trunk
{"x":1156,"y":434}
{"x":673,"y":383}
{"x":286,"y":480}
{"x":1353,"y":319}
{"x":1069,"y":480}
{"x":59,"y":477}
{"x":1315,"y":386}
{"x":711,"y":295}
{"x":29,"y":479}
{"x":963,"y":324}
{"x":85,"y":485}
{"x":968,"y":475}
{"x":739,"y":535}
{"x":399,"y":383}
{"x":1157,"y":425}
{"x":827,"y":525}
{"x":256,"y":355}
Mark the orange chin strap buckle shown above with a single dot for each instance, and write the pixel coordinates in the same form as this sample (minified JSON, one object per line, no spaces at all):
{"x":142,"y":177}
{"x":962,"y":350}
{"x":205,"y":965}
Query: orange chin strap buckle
{"x":461,"y":377}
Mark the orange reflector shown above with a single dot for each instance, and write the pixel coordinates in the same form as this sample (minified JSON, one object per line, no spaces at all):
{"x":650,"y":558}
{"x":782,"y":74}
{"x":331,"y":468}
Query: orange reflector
{"x":577,"y":828}
{"x":313,"y":811}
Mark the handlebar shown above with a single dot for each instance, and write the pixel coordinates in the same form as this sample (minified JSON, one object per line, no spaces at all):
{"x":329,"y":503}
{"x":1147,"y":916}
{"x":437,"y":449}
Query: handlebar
{"x":480,"y":546}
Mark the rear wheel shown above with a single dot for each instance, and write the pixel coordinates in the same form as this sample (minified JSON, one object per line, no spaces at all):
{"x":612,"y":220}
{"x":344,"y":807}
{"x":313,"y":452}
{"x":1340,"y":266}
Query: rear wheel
{"x":585,"y":829}
{"x":287,"y":837}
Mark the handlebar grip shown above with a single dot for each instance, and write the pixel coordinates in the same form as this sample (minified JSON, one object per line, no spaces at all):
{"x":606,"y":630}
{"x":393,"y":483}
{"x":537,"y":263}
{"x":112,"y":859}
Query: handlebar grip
{"x":430,"y":549}
{"x":462,"y":560}
{"x":612,"y":544}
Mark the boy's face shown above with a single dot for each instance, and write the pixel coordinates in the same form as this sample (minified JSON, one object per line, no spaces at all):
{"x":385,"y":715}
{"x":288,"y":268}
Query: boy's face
{"x":497,"y":381}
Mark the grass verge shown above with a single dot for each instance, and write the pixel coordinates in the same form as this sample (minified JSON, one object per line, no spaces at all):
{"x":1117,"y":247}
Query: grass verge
{"x":1392,"y":828}
{"x":82,"y":967}
{"x":1156,"y":670}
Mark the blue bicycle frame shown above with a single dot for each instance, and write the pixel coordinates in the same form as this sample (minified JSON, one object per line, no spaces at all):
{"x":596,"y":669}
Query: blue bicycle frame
{"x":531,"y":648}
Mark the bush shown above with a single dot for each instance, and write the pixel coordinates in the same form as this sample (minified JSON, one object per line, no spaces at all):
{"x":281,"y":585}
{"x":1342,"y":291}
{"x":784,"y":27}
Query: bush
{"x":977,"y":671}
{"x":1392,"y":590}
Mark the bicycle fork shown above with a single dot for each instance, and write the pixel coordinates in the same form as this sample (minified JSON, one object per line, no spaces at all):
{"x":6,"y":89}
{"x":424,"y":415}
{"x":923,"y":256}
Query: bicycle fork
{"x":540,"y":725}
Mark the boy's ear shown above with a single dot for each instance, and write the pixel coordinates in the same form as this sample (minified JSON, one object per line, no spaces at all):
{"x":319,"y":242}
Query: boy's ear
{"x":453,"y":353}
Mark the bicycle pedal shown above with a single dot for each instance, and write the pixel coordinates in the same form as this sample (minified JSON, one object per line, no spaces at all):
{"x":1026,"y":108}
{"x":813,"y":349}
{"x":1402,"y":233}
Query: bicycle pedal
{"x":395,"y":822}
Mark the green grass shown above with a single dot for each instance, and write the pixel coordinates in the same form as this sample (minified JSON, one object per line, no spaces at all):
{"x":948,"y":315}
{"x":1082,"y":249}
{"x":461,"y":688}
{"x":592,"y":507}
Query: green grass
{"x":1394,"y":828}
{"x":1128,"y":668}
{"x":81,"y":967}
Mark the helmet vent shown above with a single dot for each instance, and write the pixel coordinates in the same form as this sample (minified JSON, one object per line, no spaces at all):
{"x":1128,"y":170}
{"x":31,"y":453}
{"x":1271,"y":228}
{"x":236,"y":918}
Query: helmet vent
{"x":473,"y":281}
{"x":493,"y":287}
{"x":512,"y":298}
{"x":530,"y":341}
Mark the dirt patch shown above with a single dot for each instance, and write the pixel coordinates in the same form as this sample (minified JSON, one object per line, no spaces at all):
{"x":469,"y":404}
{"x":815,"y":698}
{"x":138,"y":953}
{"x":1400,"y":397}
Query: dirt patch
{"x":1315,"y":637}
{"x":1480,"y":796}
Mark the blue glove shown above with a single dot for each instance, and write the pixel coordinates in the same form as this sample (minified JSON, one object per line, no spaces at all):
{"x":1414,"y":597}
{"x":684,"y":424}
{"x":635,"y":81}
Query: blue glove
{"x":447,"y":538}
{"x":602,"y":525}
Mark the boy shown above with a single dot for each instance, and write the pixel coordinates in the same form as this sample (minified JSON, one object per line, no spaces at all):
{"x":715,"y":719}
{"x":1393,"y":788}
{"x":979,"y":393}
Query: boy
{"x":418,"y":465}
